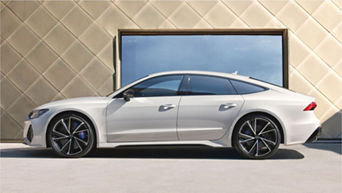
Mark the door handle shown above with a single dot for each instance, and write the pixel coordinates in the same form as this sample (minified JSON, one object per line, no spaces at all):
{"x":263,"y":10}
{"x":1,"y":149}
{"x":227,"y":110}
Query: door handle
{"x":167,"y":107}
{"x":228,"y":105}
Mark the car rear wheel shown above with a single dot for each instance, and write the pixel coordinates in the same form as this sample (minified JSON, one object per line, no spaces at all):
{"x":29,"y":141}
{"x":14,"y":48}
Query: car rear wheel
{"x":71,"y":135}
{"x":256,"y":137}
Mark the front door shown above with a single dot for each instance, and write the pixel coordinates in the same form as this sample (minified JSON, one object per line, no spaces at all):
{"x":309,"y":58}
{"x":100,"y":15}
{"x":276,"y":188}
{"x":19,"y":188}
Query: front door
{"x":150,"y":115}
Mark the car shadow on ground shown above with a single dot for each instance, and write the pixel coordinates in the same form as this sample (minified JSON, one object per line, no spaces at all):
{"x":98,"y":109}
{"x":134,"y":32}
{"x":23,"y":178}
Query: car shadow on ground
{"x":150,"y":152}
{"x":334,"y":146}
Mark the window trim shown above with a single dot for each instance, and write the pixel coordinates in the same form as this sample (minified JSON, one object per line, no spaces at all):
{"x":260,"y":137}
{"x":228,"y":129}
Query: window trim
{"x":182,"y":84}
{"x":124,"y":32}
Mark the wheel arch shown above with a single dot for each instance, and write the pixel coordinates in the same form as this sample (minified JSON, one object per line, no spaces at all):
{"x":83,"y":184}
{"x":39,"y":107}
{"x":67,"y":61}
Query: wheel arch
{"x":267,"y":114}
{"x":79,"y":113}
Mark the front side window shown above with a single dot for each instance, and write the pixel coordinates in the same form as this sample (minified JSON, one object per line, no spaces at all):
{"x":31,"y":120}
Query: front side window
{"x":246,"y":88}
{"x":158,"y":86}
{"x":209,"y":85}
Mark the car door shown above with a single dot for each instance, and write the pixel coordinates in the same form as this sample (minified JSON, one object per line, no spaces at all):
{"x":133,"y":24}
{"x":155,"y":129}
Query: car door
{"x":150,"y":115}
{"x":208,"y":108}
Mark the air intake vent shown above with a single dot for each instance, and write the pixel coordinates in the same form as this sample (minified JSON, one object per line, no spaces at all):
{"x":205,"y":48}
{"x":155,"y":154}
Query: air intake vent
{"x":29,"y":134}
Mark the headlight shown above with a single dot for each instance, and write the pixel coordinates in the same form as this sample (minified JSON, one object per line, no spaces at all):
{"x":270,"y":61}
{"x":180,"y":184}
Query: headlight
{"x":37,"y":113}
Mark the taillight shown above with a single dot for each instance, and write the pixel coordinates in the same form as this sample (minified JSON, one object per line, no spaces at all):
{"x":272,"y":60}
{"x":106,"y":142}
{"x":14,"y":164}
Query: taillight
{"x":311,"y":107}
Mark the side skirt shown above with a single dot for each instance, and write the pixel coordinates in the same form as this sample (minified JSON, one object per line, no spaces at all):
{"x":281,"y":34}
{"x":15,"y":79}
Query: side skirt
{"x":207,"y":143}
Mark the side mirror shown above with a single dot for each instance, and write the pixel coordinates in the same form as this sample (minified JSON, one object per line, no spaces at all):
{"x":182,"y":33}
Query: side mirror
{"x":128,"y":94}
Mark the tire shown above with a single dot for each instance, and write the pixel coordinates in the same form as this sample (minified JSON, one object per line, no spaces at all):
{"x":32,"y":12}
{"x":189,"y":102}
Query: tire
{"x":256,"y":137}
{"x":71,"y":135}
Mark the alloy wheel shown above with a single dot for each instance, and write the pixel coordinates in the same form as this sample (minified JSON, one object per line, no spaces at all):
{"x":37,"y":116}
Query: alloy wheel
{"x":258,"y":137}
{"x":71,"y":136}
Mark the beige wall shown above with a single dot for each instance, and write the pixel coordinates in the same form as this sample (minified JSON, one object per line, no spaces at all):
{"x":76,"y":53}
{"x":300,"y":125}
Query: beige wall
{"x":53,"y":50}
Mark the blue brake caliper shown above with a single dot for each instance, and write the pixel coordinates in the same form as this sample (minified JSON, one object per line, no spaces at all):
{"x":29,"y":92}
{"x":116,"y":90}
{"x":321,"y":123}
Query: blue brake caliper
{"x":82,"y":135}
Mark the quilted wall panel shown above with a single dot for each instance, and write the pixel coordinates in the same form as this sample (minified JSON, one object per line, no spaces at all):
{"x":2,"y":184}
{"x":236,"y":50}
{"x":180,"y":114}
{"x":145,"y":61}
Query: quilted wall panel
{"x":65,"y":48}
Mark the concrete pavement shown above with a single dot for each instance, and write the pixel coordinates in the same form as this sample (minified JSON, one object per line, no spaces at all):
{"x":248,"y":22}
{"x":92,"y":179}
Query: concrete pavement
{"x":300,"y":168}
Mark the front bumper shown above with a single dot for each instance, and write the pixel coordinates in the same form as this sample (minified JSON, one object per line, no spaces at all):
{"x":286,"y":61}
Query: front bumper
{"x":315,"y":135}
{"x":34,"y":132}
{"x":28,"y":135}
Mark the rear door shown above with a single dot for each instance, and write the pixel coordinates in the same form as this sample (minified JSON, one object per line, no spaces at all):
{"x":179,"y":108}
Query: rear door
{"x":208,"y":107}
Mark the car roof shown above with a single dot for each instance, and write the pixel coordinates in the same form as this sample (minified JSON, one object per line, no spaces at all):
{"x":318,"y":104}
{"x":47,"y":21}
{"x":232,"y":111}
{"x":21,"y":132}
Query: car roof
{"x":221,"y":74}
{"x":228,"y":75}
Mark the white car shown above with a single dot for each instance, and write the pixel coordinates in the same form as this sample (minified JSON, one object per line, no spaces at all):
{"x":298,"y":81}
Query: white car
{"x":181,"y":107}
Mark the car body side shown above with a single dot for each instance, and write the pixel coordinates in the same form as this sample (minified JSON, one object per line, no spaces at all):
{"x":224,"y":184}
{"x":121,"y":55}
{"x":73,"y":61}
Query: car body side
{"x":285,"y":106}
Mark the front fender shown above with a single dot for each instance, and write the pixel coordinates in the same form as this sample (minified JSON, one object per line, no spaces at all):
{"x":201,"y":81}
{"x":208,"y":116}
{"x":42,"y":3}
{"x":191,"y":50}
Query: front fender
{"x":93,"y":117}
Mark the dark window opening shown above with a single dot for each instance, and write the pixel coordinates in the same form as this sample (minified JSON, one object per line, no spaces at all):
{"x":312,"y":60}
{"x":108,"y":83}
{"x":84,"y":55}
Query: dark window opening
{"x":258,"y":53}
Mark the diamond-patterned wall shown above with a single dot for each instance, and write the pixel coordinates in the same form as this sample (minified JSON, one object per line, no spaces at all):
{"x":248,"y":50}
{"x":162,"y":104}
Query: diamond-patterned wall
{"x":60,"y":49}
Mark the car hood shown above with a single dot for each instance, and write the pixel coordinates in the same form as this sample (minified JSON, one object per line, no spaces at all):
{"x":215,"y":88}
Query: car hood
{"x":75,"y":101}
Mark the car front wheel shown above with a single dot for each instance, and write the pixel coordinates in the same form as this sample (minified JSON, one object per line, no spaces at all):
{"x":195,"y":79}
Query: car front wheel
{"x":256,"y":137}
{"x":71,"y":135}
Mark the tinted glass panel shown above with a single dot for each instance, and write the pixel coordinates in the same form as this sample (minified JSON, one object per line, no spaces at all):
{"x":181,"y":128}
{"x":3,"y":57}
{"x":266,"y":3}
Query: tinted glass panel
{"x":209,"y":85}
{"x":159,"y":86}
{"x":246,"y":88}
{"x":258,"y":56}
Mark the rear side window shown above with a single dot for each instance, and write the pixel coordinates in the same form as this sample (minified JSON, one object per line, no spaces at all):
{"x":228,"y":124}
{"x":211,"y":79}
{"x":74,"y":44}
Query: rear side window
{"x":246,"y":88}
{"x":209,"y":85}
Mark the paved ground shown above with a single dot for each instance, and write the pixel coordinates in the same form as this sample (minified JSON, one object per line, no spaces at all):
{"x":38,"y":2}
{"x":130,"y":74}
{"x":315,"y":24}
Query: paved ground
{"x":300,"y":168}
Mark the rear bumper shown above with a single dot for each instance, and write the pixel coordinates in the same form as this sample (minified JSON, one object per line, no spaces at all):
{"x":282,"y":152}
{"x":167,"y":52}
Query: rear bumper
{"x":314,"y":136}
